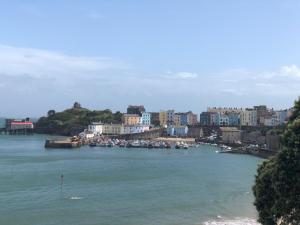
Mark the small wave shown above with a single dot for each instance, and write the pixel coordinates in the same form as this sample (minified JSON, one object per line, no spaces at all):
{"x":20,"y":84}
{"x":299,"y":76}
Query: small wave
{"x":75,"y":198}
{"x":244,"y":221}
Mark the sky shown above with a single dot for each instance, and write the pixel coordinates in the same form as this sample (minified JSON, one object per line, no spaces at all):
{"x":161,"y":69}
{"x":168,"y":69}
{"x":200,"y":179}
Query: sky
{"x":163,"y":54}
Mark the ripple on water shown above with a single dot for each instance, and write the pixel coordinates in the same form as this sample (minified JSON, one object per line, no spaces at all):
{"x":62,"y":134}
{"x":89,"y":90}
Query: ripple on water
{"x":237,"y":221}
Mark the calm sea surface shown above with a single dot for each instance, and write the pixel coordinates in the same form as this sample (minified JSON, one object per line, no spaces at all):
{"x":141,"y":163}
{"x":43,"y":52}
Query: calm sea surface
{"x":114,"y":186}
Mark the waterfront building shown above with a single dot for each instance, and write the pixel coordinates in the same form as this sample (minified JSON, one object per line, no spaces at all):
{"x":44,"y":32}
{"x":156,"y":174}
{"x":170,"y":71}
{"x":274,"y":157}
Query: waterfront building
{"x":136,"y":109}
{"x":205,"y":118}
{"x":135,"y":129}
{"x":224,"y":110}
{"x":262,"y":113}
{"x":12,"y":124}
{"x":234,"y":119}
{"x":230,"y":135}
{"x":223,"y":119}
{"x":215,"y":119}
{"x":249,"y":117}
{"x":146,"y":118}
{"x":163,"y":118}
{"x":177,"y":121}
{"x":183,"y":119}
{"x":170,"y":117}
{"x":188,"y":118}
{"x":193,"y":118}
{"x":113,"y":129}
{"x":86,"y":134}
{"x":180,"y":131}
{"x":96,"y":128}
{"x":131,"y":119}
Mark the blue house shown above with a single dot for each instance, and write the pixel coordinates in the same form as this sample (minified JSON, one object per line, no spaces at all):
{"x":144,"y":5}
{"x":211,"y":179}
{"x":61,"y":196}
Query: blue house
{"x":146,"y":118}
{"x":234,"y":119}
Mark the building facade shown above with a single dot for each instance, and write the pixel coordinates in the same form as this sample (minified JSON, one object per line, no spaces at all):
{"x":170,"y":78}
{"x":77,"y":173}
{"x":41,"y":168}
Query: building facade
{"x":281,"y":117}
{"x":96,"y":128}
{"x":234,"y":119}
{"x":163,"y":118}
{"x":135,"y":129}
{"x":131,"y":119}
{"x":230,"y":135}
{"x":12,"y":124}
{"x":249,"y":117}
{"x":215,"y":119}
{"x":223,"y":119}
{"x":180,"y":131}
{"x":113,"y":129}
{"x":205,"y":118}
{"x":177,"y":121}
{"x":170,"y":117}
{"x":146,"y":118}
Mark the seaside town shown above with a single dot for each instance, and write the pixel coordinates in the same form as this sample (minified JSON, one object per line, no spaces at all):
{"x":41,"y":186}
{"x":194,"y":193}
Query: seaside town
{"x":252,"y":130}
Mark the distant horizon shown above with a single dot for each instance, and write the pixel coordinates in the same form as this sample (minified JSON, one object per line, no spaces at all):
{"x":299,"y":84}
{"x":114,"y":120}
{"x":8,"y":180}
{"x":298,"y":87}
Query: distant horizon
{"x":125,"y":110}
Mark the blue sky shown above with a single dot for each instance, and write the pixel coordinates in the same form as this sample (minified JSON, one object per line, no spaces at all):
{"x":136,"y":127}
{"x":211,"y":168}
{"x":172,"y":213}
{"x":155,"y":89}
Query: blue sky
{"x":184,"y":55}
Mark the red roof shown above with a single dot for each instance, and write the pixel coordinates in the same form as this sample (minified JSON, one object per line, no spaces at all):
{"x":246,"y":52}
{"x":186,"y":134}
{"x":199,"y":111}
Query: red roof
{"x":21,"y":123}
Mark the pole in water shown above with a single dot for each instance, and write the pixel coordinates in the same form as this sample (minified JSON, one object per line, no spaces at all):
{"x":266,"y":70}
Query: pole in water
{"x":61,"y":181}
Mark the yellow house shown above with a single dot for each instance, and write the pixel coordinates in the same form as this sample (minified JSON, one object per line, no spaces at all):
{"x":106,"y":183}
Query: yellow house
{"x":163,"y":117}
{"x":131,"y":119}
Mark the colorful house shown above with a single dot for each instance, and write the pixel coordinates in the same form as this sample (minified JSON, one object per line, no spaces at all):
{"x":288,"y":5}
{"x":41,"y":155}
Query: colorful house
{"x":146,"y":118}
{"x":131,"y":119}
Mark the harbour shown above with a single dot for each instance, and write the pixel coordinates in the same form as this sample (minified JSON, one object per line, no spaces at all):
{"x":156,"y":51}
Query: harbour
{"x":123,"y":185}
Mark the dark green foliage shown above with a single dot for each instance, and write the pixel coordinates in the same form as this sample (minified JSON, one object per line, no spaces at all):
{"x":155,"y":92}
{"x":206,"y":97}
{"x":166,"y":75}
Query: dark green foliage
{"x":277,"y":186}
{"x":74,"y":120}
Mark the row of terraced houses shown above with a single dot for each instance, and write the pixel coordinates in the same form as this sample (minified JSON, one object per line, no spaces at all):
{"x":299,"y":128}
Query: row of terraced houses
{"x":256,"y":116}
{"x":137,"y":120}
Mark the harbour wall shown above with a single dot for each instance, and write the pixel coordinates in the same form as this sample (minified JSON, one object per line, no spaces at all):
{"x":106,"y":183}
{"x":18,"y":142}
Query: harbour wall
{"x":153,"y":133}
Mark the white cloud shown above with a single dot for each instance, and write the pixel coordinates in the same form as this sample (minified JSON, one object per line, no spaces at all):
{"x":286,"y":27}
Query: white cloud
{"x":181,"y":75}
{"x":40,"y":63}
{"x":186,"y":75}
{"x":291,"y":70}
{"x":56,"y":79}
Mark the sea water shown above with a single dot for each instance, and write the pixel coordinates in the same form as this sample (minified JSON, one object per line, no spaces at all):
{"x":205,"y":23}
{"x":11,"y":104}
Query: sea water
{"x":114,"y":186}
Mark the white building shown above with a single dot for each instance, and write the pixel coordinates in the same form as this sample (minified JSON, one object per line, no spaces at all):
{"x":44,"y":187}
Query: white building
{"x":181,"y":131}
{"x":135,"y":129}
{"x":224,"y":119}
{"x":271,"y":121}
{"x":87,"y":134}
{"x":248,"y":117}
{"x":96,"y":128}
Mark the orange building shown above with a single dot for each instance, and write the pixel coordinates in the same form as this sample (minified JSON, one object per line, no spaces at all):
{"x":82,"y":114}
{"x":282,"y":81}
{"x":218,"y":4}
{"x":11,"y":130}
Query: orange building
{"x":131,"y":119}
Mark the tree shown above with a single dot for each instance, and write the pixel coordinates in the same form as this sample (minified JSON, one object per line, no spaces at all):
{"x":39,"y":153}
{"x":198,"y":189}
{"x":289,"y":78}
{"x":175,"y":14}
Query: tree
{"x":277,"y":183}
